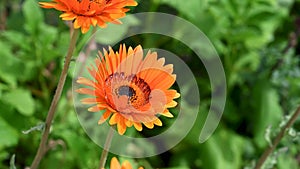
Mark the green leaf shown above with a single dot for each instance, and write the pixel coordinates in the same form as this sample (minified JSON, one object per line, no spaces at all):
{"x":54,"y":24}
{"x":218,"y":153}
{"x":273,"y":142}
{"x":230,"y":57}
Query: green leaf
{"x":267,"y":112}
{"x":21,"y":100}
{"x":17,"y":39}
{"x":223,"y":150}
{"x":50,"y":34}
{"x":191,"y":9}
{"x":3,"y":156}
{"x":10,"y":66}
{"x":9,"y":136}
{"x":46,"y":49}
{"x":287,"y":161}
{"x":249,"y":61}
{"x":33,"y":16}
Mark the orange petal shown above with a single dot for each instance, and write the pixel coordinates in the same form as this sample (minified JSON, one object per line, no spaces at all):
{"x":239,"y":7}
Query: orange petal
{"x":166,"y":113}
{"x":138,"y":126}
{"x":86,"y":91}
{"x":128,"y":123}
{"x":94,"y":21}
{"x":89,"y":101}
{"x":76,"y":24}
{"x":114,"y":163}
{"x":172,"y":94}
{"x":68,"y":16}
{"x":114,"y":119}
{"x":157,"y":79}
{"x":126,"y":165}
{"x":149,"y":125}
{"x":85,"y":28}
{"x":171,"y":104}
{"x":158,"y":100}
{"x":47,"y":4}
{"x":157,"y":122}
{"x":131,"y":3}
{"x":94,"y":109}
{"x":104,"y":117}
{"x":121,"y":126}
{"x":84,"y":81}
{"x":149,"y":61}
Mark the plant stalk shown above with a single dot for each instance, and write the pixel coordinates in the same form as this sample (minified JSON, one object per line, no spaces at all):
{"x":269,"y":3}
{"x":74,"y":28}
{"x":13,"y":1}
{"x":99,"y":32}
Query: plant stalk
{"x":276,"y":141}
{"x":42,"y":147}
{"x":106,"y":148}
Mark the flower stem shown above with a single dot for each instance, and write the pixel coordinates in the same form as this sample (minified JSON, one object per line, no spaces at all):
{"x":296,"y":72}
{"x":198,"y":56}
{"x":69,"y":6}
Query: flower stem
{"x":42,"y":147}
{"x":106,"y":148}
{"x":269,"y":150}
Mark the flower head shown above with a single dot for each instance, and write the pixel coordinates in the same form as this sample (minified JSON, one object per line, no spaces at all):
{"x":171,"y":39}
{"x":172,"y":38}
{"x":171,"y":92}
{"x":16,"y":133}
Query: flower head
{"x":85,"y":13}
{"x":114,"y":164}
{"x":130,"y":89}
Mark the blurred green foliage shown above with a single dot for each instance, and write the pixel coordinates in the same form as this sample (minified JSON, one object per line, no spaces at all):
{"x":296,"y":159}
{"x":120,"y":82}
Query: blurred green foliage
{"x":256,"y":41}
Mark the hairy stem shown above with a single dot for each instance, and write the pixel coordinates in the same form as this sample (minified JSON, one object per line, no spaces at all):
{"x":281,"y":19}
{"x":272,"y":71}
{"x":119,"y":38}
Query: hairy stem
{"x":42,"y":147}
{"x":276,"y":141}
{"x":106,"y":148}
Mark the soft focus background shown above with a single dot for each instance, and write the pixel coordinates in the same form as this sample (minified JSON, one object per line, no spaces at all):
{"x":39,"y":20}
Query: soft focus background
{"x":257,"y":41}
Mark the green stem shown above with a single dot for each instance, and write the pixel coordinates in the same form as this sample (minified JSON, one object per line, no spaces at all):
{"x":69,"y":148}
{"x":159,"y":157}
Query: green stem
{"x":269,"y":150}
{"x":106,"y":148}
{"x":42,"y":147}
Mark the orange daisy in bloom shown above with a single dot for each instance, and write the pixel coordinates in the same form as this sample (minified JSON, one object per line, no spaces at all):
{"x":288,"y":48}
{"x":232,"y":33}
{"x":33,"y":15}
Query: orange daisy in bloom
{"x":85,"y":13}
{"x":130,"y":89}
{"x":114,"y":164}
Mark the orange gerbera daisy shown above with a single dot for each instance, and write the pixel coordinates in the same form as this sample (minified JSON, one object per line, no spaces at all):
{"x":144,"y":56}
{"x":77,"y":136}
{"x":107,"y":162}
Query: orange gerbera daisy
{"x":131,"y":90}
{"x":85,"y":13}
{"x":114,"y":164}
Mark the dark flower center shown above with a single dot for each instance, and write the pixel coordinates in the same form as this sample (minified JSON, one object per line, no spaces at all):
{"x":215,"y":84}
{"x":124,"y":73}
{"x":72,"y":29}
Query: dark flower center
{"x":126,"y":90}
{"x":135,"y":88}
{"x":99,"y":1}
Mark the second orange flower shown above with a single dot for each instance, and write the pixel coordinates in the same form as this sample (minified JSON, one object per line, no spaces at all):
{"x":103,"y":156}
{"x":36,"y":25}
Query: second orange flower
{"x":115,"y":164}
{"x":131,"y":89}
{"x":85,"y":13}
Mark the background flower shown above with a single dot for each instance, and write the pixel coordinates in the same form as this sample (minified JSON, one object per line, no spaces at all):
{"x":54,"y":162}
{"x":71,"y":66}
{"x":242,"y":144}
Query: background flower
{"x":114,"y":164}
{"x":85,"y":13}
